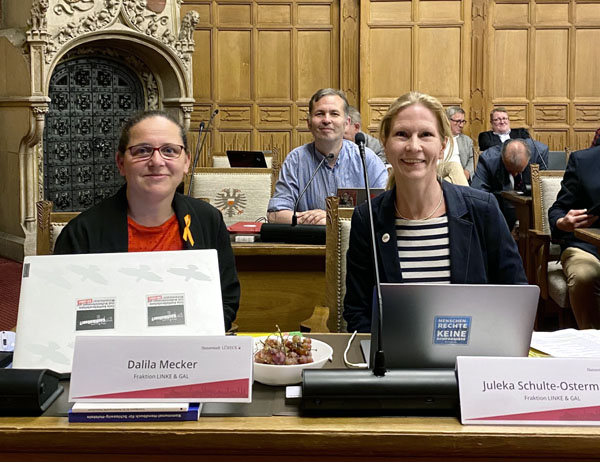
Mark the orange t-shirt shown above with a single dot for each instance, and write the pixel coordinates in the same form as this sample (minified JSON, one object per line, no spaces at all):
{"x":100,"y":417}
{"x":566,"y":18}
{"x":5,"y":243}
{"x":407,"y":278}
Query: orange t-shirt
{"x":148,"y":239}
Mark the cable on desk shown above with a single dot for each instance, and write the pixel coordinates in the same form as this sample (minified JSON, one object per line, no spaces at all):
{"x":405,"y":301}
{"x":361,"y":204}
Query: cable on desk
{"x":348,"y":363}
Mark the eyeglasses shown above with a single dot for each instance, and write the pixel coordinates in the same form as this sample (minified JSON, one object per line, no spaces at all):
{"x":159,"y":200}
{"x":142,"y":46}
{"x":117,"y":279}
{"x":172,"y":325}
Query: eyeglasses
{"x":500,"y":119}
{"x":145,"y":151}
{"x":459,"y":122}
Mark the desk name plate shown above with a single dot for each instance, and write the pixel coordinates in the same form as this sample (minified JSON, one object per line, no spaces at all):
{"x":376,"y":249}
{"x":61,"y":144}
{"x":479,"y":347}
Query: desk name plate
{"x":162,"y":368}
{"x":529,"y":391}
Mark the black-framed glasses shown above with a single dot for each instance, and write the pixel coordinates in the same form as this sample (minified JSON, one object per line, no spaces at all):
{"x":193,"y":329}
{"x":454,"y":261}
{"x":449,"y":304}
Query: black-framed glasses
{"x":146,"y":151}
{"x":500,"y":119}
{"x":459,"y":122}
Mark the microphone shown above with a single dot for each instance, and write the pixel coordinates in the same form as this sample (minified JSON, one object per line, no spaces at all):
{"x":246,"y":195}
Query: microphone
{"x":201,"y":129}
{"x":295,"y":233}
{"x":379,"y":362}
{"x":378,"y":391}
{"x":294,"y":217}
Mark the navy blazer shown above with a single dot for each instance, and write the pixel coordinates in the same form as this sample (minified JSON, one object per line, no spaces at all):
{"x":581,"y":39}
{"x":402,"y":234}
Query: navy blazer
{"x":580,"y":189}
{"x":482,"y":250}
{"x":488,"y":139}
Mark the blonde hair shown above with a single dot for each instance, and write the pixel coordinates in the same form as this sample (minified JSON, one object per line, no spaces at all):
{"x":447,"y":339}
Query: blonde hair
{"x":409,"y":99}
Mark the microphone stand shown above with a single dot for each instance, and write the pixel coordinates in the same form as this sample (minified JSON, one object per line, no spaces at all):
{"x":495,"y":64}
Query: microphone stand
{"x":379,"y":361}
{"x":189,"y":193}
{"x":308,"y":183}
{"x":200,"y":145}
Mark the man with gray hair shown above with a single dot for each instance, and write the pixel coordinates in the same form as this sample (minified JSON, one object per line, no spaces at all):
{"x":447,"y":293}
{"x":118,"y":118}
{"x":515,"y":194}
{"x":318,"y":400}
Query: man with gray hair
{"x":354,"y":127}
{"x":462,"y":143}
{"x":327,"y":121}
{"x":506,"y":168}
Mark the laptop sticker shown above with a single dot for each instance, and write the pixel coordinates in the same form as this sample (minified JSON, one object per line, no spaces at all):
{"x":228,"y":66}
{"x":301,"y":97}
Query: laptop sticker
{"x":451,"y":330}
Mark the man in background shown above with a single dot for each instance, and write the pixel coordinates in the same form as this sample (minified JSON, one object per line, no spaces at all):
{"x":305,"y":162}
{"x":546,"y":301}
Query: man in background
{"x":462,"y":143}
{"x":354,"y":127}
{"x":506,"y":168}
{"x":500,"y":131}
{"x":579,"y":192}
{"x":327,"y":120}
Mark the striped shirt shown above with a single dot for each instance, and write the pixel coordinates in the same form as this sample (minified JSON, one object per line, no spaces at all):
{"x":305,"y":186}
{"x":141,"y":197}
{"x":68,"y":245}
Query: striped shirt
{"x":424,"y":249}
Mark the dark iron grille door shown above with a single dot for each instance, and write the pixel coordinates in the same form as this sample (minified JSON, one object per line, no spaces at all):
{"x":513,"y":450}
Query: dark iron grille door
{"x":91,"y":99}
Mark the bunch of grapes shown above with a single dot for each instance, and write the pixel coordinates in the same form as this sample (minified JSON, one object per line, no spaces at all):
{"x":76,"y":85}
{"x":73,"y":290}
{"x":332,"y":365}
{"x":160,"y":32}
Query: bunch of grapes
{"x":277,"y":349}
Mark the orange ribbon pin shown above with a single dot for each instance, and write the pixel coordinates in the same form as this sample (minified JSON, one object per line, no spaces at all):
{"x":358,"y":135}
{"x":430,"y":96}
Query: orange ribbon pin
{"x":187,"y":234}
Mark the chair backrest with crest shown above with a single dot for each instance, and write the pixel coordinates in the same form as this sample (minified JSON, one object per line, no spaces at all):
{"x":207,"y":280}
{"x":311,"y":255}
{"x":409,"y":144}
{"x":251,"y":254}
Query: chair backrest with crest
{"x":242,"y":194}
{"x":338,"y":238}
{"x":49,"y":226}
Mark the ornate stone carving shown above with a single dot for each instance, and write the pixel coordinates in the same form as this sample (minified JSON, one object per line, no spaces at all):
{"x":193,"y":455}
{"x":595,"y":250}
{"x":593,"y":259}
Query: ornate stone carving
{"x":38,"y":22}
{"x":95,"y":21}
{"x":70,"y":6}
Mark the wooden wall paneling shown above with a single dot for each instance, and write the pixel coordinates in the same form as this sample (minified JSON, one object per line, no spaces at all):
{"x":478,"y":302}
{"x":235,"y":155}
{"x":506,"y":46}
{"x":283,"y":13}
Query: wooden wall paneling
{"x":478,"y":75}
{"x":259,"y":60}
{"x":350,"y":49}
{"x":559,"y":61}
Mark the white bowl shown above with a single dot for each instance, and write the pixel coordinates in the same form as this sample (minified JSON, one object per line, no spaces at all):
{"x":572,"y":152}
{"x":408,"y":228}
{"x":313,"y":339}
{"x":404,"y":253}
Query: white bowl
{"x":271,"y":374}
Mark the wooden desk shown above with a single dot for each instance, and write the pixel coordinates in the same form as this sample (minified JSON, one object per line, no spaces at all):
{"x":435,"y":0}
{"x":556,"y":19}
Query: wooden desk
{"x":524,"y":213}
{"x":260,"y":439}
{"x":591,"y":235}
{"x":281,"y":284}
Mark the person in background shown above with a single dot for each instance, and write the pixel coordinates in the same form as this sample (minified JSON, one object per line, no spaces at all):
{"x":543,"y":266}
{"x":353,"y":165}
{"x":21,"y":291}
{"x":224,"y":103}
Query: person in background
{"x":427,"y":230}
{"x":354,"y":127}
{"x":147,"y":214}
{"x":579,"y":192}
{"x":500,"y":131}
{"x":462,"y":143}
{"x":506,"y":168}
{"x":327,"y":120}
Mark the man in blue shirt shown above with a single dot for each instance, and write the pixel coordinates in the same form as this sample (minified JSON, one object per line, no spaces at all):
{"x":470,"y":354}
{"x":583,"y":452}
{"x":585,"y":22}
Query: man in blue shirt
{"x":327,"y":121}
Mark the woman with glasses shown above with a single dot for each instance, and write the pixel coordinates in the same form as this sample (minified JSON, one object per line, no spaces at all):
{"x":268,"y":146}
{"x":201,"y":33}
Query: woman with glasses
{"x":147,"y":214}
{"x":427,"y":230}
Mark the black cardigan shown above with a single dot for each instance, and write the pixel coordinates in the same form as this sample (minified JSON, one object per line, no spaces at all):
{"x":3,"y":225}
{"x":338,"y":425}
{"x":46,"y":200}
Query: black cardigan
{"x":103,"y":229}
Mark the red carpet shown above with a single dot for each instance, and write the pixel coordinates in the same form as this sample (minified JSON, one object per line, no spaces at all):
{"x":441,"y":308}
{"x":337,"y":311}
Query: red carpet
{"x":10,"y":287}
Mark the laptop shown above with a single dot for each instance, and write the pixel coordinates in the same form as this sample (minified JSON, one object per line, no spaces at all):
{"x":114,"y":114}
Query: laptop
{"x":247,"y":159}
{"x":353,"y":197}
{"x":429,"y":325}
{"x":141,"y":293}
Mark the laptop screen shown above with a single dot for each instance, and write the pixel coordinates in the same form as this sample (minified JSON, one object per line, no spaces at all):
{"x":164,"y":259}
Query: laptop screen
{"x":429,"y":325}
{"x":247,"y":159}
{"x":141,"y":293}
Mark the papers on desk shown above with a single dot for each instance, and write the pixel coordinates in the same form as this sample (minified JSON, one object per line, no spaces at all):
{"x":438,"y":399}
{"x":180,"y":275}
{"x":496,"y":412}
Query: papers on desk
{"x":568,"y":343}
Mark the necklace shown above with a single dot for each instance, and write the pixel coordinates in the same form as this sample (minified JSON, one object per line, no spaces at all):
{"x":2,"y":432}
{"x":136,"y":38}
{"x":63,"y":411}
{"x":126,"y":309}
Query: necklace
{"x":437,"y":207}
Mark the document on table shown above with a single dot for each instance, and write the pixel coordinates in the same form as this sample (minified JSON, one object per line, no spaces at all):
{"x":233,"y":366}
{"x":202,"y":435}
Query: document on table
{"x":568,"y":343}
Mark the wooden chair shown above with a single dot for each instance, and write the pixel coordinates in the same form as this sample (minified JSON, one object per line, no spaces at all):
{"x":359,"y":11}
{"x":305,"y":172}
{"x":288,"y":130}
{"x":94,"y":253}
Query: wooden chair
{"x":338,"y":238}
{"x":49,"y":226}
{"x":242,"y":194}
{"x":546,"y":267}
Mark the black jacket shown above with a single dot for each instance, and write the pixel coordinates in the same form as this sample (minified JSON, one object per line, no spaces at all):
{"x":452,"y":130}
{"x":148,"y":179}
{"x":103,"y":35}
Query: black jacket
{"x":580,"y":189}
{"x":482,"y":250}
{"x":488,"y":139}
{"x":103,"y":229}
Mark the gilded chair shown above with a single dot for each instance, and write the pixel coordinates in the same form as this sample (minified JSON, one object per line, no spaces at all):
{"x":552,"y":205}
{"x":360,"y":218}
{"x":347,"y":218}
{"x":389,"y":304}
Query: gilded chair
{"x":545,"y":254}
{"x":49,"y":226}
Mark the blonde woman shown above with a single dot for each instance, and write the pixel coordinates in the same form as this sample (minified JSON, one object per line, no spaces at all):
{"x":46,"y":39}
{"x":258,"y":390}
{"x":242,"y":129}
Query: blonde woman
{"x":427,"y":230}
